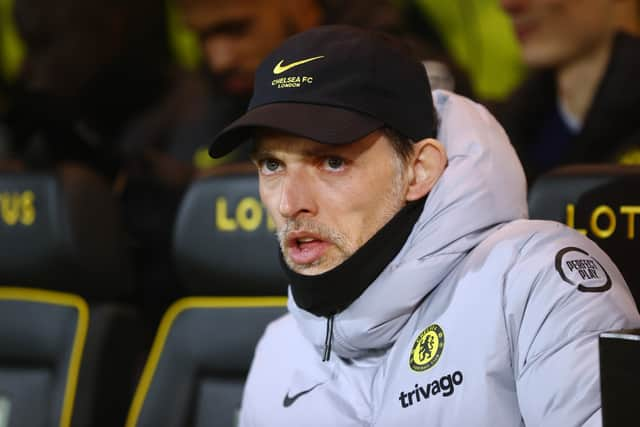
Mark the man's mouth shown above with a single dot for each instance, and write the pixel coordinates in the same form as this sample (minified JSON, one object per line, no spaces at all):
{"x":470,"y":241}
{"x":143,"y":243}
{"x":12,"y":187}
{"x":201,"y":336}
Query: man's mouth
{"x":305,"y":249}
{"x":523,"y":29}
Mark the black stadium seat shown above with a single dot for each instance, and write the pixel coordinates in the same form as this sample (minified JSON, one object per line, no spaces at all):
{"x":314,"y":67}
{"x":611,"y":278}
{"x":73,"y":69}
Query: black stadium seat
{"x":42,"y":336}
{"x":603,"y":202}
{"x":58,"y":230}
{"x":223,"y":246}
{"x":224,"y":242}
{"x":199,"y":360}
{"x":68,"y":338}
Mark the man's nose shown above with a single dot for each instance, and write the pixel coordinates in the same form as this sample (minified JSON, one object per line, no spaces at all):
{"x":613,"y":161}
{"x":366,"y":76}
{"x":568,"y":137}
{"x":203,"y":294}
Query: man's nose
{"x":220,"y":53}
{"x":297,"y":196}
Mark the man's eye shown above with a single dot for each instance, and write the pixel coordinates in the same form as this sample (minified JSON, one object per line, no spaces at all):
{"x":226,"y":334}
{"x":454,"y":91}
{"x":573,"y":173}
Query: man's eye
{"x":270,"y":165}
{"x":236,"y":28}
{"x":334,"y":163}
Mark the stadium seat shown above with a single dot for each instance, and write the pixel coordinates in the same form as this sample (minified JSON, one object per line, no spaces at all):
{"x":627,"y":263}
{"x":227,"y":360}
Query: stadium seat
{"x":603,"y":202}
{"x":58,"y":230}
{"x":64,"y":274}
{"x":226,"y":258}
{"x":199,"y":360}
{"x":224,"y":242}
{"x":43,"y":335}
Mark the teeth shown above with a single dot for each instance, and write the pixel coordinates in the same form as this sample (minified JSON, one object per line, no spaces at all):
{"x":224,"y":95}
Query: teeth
{"x":305,"y":240}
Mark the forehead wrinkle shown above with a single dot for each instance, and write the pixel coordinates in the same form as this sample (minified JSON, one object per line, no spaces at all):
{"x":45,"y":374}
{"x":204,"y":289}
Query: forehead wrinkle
{"x":313,"y":152}
{"x":288,"y":144}
{"x":267,"y":143}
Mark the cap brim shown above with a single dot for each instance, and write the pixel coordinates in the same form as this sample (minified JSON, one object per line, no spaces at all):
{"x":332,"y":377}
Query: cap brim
{"x":321,"y":123}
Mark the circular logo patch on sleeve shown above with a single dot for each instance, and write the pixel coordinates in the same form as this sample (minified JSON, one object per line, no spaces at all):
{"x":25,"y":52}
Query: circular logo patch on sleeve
{"x":427,"y":348}
{"x":578,"y":268}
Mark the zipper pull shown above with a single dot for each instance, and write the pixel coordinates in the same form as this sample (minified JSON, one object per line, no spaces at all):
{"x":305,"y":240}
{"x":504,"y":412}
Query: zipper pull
{"x":328,"y":339}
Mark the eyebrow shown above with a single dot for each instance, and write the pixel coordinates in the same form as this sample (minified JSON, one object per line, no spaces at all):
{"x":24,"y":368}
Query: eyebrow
{"x":232,"y":26}
{"x":256,"y":156}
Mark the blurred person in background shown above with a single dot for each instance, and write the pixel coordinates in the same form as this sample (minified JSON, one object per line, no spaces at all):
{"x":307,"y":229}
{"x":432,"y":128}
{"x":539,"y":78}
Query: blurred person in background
{"x":582,"y":101}
{"x":235,"y":36}
{"x":90,"y":70}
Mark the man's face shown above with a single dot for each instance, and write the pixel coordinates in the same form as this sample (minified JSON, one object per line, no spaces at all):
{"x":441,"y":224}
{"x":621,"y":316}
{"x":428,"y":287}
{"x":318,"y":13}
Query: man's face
{"x":328,"y":200}
{"x":555,"y":32}
{"x":236,"y":36}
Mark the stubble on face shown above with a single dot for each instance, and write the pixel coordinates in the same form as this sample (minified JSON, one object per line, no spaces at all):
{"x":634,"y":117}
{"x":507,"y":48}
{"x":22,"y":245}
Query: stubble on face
{"x":343,"y":246}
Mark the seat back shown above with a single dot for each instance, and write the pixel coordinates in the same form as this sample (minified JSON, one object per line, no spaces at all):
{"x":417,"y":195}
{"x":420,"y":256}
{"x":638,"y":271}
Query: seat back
{"x":601,"y":201}
{"x":62,"y":232}
{"x":42,"y":337}
{"x":224,"y":242}
{"x":201,"y":355}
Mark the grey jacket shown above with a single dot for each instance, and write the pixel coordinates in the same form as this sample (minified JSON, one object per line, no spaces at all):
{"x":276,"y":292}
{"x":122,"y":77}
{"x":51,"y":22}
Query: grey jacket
{"x":484,"y":318}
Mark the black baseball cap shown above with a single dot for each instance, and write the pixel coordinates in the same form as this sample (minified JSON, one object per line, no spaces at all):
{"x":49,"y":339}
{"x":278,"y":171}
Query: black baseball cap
{"x":335,"y":84}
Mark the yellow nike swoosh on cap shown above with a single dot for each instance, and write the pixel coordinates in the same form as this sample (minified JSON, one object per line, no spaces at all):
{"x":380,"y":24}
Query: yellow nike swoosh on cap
{"x":279,"y":68}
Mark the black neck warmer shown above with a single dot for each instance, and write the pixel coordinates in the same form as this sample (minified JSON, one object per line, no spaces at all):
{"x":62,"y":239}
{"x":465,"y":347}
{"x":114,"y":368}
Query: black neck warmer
{"x":329,"y":293}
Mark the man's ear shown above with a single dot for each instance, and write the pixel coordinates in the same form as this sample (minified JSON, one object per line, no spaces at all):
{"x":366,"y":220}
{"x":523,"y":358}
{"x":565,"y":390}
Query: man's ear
{"x":425,"y":168}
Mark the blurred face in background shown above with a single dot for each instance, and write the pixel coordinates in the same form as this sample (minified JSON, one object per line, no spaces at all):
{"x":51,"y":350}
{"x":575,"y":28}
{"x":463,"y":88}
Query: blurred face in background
{"x":553,"y":33}
{"x":68,"y":42}
{"x":236,"y":35}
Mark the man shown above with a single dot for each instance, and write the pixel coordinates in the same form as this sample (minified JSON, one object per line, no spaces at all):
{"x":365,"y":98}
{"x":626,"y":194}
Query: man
{"x":582,"y":103}
{"x":419,"y":293}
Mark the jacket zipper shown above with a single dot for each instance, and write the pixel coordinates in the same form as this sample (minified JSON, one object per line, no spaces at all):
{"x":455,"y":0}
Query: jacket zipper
{"x":328,"y":339}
